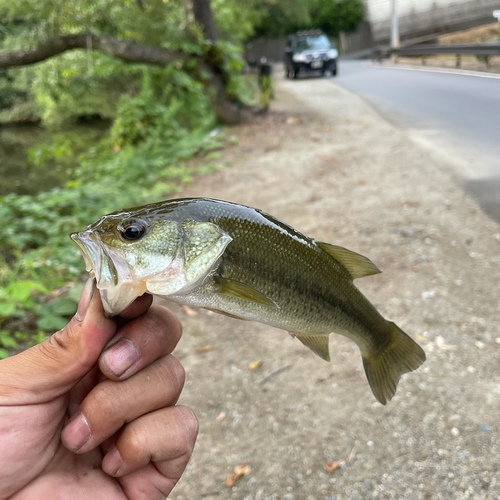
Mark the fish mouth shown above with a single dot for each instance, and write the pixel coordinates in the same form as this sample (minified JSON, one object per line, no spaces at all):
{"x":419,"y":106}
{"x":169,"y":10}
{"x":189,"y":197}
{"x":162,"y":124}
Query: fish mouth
{"x":117,"y":287}
{"x":97,"y":262}
{"x":90,"y":251}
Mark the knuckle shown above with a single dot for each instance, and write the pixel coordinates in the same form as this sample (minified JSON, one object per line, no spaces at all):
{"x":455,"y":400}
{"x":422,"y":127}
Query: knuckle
{"x":136,"y":442}
{"x":102,"y":402}
{"x":169,"y":324}
{"x":189,"y":424}
{"x":177,"y":372}
{"x":170,"y":373}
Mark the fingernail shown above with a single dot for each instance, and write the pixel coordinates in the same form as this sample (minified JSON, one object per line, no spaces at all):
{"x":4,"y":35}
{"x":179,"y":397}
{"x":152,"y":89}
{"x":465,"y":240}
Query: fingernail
{"x":112,"y":462}
{"x":120,"y":357}
{"x":76,"y":433}
{"x":85,"y":298}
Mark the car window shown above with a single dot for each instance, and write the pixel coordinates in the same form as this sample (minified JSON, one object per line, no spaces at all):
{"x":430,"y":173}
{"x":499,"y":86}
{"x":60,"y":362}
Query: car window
{"x":313,"y":43}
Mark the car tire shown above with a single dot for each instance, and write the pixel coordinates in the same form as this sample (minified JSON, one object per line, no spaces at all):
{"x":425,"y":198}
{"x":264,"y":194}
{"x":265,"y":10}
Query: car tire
{"x":334,"y":69}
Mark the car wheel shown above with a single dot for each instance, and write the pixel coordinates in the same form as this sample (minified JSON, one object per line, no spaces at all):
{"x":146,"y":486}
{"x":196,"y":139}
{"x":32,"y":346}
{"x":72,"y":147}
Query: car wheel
{"x":334,"y":69}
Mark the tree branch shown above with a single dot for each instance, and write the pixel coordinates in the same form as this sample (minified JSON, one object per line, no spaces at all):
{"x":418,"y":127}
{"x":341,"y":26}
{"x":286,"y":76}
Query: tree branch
{"x":227,"y":111}
{"x":125,"y":50}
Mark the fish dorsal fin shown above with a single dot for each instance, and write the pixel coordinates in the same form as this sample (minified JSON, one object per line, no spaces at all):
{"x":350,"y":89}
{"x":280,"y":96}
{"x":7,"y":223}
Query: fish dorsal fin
{"x":240,"y":290}
{"x":357,"y":265}
{"x":317,"y":343}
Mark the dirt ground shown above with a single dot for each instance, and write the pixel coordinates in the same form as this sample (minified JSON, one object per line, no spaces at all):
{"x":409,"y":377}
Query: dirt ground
{"x":329,"y":165}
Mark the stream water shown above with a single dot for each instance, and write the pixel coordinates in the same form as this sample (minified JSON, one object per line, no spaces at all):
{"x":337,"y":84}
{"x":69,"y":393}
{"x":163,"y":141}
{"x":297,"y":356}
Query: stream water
{"x":19,"y":175}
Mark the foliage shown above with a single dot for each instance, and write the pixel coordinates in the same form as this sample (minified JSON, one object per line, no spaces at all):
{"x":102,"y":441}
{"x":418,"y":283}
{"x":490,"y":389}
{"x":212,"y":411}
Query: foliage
{"x":332,"y":16}
{"x":160,"y":118}
{"x":336,"y":16}
{"x":140,"y":160}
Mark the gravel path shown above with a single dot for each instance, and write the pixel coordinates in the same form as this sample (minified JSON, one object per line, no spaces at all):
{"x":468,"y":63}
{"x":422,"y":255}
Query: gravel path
{"x":329,"y":165}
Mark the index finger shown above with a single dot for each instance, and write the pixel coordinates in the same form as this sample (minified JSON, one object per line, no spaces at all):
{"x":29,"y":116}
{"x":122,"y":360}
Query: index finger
{"x":140,"y":342}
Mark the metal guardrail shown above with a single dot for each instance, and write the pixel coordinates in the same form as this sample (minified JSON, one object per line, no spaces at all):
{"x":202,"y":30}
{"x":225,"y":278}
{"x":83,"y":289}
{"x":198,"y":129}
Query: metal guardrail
{"x":427,"y":49}
{"x":480,"y":49}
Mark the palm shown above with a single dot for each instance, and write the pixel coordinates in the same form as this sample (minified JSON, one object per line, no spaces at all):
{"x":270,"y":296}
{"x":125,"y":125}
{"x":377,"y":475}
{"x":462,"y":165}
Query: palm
{"x":50,"y":468}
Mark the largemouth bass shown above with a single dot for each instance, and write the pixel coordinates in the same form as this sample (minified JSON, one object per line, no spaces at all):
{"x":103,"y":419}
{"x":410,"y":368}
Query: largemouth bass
{"x":244,"y":263}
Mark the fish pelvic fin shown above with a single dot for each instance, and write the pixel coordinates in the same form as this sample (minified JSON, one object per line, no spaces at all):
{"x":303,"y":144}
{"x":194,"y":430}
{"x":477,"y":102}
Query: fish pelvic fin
{"x":240,"y":290}
{"x":317,"y":343}
{"x":356,"y":265}
{"x":384,"y":369}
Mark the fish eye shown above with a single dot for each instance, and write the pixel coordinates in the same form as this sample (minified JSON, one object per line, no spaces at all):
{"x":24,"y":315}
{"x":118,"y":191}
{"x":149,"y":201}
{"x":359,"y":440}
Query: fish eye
{"x":132,"y":230}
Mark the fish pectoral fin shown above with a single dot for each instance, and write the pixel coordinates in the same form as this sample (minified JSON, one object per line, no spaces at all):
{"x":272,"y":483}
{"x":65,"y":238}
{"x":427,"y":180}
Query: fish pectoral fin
{"x":317,"y":343}
{"x":357,"y":265}
{"x":241,"y":291}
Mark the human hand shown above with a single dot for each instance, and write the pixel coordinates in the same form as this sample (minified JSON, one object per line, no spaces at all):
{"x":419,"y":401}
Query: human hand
{"x":72,"y":427}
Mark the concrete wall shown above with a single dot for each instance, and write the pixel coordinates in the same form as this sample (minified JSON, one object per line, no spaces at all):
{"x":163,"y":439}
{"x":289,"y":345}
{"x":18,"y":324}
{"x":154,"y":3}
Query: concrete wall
{"x":419,"y":18}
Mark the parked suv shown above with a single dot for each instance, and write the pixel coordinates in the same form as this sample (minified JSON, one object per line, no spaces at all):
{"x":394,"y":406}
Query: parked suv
{"x":309,"y":51}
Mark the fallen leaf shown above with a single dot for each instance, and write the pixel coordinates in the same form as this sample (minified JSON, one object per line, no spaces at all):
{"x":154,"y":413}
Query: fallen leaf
{"x":255,"y":364}
{"x":189,"y":311}
{"x":203,"y":349}
{"x":421,"y":339}
{"x":242,"y":469}
{"x":239,"y":471}
{"x":331,"y":466}
{"x":230,"y":480}
{"x":220,"y":416}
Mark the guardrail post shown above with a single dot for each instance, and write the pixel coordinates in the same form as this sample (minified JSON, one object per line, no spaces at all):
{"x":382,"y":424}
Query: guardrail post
{"x":458,"y":61}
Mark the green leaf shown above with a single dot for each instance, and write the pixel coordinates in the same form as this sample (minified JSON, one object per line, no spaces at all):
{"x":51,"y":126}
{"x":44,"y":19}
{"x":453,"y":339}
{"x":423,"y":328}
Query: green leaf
{"x":3,"y":354}
{"x":7,"y":308}
{"x":75,"y":292}
{"x":64,"y":306}
{"x":8,"y":342}
{"x":51,"y":323}
{"x":19,"y":290}
{"x":39,"y":337}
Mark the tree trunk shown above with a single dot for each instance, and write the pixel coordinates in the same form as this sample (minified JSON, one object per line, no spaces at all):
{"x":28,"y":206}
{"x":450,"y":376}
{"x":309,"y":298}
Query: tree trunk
{"x":204,"y":17}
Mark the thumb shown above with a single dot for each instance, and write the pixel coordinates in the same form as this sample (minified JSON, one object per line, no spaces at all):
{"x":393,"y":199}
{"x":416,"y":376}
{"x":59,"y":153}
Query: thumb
{"x":53,"y":367}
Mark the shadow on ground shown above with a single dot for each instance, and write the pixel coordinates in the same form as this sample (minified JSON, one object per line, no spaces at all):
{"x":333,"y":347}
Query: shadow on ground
{"x":487,"y":194}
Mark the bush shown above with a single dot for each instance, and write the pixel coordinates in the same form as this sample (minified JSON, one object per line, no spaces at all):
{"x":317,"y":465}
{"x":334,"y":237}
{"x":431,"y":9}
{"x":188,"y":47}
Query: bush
{"x":141,"y":160}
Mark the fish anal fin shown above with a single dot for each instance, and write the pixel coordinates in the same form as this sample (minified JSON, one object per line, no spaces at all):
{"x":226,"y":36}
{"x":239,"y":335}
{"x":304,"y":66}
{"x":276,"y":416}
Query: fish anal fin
{"x":317,"y":343}
{"x":229,"y":315}
{"x":357,"y":265}
{"x":384,"y":369}
{"x":241,"y":291}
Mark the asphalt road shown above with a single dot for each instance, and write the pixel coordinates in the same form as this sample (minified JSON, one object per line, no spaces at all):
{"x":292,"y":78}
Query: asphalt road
{"x":457,"y":115}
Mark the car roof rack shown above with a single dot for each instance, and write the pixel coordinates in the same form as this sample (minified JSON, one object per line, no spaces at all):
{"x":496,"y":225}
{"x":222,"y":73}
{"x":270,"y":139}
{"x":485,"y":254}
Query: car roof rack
{"x":308,"y":33}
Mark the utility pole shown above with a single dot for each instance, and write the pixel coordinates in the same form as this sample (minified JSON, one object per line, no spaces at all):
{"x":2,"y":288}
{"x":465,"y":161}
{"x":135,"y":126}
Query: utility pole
{"x":394,"y":28}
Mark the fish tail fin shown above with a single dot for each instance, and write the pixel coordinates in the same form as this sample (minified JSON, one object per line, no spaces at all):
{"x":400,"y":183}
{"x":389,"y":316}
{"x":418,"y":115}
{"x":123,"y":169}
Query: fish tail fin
{"x":384,"y":369}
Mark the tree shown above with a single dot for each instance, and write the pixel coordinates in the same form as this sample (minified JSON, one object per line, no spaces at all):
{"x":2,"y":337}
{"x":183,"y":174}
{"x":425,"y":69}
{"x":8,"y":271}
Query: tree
{"x":332,"y":16}
{"x":133,"y":33}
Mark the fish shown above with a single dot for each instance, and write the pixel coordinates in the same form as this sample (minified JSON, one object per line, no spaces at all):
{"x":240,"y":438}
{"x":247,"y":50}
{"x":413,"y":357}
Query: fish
{"x":246,"y":264}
